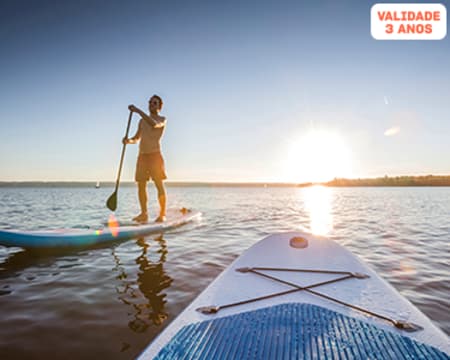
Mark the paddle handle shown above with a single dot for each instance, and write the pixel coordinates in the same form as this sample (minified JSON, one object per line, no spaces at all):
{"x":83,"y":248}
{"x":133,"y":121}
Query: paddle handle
{"x":123,"y":151}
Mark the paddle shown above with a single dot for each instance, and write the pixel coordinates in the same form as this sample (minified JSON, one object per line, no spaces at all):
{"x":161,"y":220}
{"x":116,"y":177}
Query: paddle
{"x":111,"y":203}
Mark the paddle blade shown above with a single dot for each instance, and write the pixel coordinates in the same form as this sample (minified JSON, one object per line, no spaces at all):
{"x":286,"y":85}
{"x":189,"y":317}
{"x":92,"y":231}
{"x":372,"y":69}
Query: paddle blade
{"x":111,"y":203}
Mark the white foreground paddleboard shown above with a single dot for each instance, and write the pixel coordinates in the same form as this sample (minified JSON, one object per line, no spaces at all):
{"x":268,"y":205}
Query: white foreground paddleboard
{"x":302,"y":324}
{"x":88,"y":237}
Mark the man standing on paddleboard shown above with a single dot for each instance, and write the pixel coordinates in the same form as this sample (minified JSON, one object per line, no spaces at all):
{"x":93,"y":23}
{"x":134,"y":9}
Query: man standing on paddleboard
{"x":150,"y":163}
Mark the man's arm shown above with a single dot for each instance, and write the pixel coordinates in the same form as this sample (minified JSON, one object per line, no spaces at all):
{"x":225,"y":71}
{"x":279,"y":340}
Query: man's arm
{"x":134,"y":139}
{"x":148,"y":119}
{"x":143,"y":114}
{"x":160,"y":124}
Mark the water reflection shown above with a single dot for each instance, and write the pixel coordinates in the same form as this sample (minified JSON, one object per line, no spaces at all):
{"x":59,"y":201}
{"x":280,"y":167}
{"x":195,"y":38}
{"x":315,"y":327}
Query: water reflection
{"x":144,"y":294}
{"x":318,"y":201}
{"x":17,"y":262}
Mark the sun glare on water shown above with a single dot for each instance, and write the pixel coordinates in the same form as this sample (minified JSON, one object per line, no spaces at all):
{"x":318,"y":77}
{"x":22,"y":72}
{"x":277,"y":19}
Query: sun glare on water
{"x":318,"y":201}
{"x":317,"y":156}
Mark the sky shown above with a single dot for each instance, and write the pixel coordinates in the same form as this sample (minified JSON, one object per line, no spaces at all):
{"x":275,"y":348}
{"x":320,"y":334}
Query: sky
{"x":253,"y":91}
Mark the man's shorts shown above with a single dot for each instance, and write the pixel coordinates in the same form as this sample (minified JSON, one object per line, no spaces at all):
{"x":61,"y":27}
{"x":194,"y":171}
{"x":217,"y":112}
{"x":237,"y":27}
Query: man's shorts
{"x":150,"y":166}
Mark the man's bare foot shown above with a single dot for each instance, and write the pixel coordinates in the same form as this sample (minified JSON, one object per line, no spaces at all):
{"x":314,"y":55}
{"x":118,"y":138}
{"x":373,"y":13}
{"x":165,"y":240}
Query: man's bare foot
{"x":160,"y":219}
{"x":141,"y":218}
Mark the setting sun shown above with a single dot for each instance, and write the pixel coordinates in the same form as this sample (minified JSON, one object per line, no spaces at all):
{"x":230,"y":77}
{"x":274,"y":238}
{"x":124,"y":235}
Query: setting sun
{"x":317,"y":156}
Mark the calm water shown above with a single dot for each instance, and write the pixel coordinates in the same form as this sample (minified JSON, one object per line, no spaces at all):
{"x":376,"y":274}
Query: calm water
{"x":112,"y":301}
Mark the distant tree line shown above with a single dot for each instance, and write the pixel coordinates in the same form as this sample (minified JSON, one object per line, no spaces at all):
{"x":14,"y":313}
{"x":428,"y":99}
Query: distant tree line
{"x":428,"y":180}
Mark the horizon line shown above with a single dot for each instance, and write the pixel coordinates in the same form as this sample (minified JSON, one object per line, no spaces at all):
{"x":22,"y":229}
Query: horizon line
{"x":380,"y":180}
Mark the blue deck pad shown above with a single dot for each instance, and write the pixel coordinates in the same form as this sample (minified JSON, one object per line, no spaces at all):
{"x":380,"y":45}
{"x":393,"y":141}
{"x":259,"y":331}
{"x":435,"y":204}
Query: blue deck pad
{"x":292,"y":331}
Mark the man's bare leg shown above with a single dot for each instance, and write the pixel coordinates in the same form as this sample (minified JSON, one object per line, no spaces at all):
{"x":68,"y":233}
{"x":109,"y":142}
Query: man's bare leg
{"x":161,"y":199}
{"x":143,"y":197}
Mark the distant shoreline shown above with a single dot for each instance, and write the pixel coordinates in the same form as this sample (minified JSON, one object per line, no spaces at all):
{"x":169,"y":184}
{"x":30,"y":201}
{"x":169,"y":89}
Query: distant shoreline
{"x":428,"y":180}
{"x":386,"y":181}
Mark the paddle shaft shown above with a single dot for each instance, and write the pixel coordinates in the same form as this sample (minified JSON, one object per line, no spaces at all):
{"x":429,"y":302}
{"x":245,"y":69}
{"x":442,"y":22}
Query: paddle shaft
{"x":123,"y":152}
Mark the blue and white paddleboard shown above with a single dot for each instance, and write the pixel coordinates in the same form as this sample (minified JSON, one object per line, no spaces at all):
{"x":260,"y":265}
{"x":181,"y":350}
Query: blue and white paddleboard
{"x":62,"y":238}
{"x":329,"y":305}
